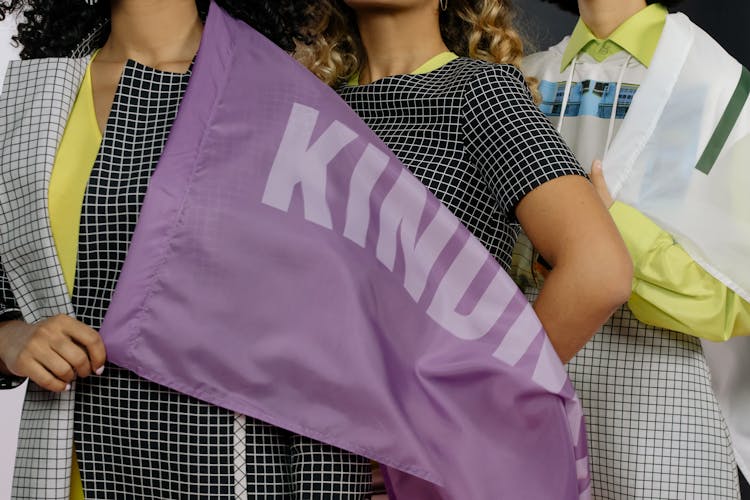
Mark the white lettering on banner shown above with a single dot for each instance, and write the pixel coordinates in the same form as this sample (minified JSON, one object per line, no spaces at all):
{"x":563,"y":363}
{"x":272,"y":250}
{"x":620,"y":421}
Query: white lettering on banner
{"x":517,"y":341}
{"x":462,"y":272}
{"x":366,"y":174}
{"x":548,"y":373}
{"x":310,"y":162}
{"x":400,"y":213}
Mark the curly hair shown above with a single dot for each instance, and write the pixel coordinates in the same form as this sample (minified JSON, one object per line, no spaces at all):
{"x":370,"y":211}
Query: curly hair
{"x":54,"y":28}
{"x":572,"y":5}
{"x":480,"y":29}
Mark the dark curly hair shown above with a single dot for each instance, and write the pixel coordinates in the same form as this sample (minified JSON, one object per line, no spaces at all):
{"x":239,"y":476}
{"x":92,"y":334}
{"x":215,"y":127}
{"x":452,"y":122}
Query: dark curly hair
{"x":54,"y":28}
{"x":572,"y":5}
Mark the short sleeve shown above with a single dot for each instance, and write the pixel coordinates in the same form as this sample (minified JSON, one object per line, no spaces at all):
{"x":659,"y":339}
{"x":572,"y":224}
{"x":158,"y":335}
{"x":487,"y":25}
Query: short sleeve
{"x":511,"y":142}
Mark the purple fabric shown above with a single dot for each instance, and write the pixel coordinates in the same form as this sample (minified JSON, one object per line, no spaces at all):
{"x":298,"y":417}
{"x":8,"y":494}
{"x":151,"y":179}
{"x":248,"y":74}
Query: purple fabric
{"x":287,"y":267}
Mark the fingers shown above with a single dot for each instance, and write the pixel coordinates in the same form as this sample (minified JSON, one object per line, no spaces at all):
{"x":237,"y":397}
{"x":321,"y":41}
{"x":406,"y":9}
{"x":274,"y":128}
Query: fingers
{"x":89,"y":340}
{"x":52,"y":352}
{"x":59,"y":367}
{"x":597,"y":174}
{"x":43,"y":378}
{"x":75,"y":359}
{"x":597,"y":179}
{"x":43,"y":367}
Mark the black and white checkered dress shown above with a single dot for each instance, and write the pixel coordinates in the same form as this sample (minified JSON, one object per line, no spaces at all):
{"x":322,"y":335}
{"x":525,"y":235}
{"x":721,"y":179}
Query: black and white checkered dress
{"x":655,"y":429}
{"x":134,"y":438}
{"x":471,"y":133}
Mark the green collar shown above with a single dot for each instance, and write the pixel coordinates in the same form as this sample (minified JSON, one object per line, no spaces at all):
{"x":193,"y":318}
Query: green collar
{"x":639,"y":36}
{"x":432,"y":64}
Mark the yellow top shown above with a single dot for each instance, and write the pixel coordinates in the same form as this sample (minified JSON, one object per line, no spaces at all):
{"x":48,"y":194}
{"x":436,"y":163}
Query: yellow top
{"x":70,"y":174}
{"x":639,"y":36}
{"x":432,"y":64}
{"x":435,"y":62}
{"x":670,"y":290}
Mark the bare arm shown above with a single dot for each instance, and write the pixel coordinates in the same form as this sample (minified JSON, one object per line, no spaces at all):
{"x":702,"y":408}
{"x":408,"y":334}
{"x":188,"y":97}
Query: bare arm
{"x":533,"y":174}
{"x":591,"y":269}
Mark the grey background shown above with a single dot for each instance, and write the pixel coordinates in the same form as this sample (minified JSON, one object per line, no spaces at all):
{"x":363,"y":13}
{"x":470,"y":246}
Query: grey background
{"x":728,"y":21}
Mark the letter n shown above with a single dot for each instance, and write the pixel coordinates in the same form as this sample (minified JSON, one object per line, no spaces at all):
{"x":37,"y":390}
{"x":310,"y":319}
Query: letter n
{"x":400,"y":215}
{"x":454,"y":285}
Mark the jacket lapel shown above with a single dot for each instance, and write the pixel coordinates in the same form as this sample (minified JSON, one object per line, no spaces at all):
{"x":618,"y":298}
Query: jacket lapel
{"x":34,"y":108}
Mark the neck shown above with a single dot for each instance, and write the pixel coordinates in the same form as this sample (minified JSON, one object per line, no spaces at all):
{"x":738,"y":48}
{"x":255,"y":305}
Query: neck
{"x":157,"y":33}
{"x":604,"y":16}
{"x":398,"y":41}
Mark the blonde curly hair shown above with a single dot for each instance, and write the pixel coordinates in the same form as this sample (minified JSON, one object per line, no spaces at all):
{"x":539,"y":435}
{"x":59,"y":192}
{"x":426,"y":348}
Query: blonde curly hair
{"x":480,"y":29}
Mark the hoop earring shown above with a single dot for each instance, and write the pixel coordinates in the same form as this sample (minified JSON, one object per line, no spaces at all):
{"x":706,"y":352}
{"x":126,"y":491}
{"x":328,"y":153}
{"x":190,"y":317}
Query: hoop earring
{"x":443,"y":5}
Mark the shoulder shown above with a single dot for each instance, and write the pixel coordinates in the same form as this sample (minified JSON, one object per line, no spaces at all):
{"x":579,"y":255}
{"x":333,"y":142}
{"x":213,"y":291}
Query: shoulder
{"x":43,"y":68}
{"x":34,"y":87}
{"x":477,"y":72}
{"x":459,"y":76}
{"x":680,"y":27}
{"x":484,"y":82}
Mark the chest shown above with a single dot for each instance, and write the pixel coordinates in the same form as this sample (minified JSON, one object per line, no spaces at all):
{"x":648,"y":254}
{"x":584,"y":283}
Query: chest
{"x":424,"y":129}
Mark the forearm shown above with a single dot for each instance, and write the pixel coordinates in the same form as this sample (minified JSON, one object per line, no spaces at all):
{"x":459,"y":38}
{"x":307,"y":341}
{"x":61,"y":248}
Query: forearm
{"x":5,"y":326}
{"x":572,"y":304}
{"x":591,"y":269}
{"x":670,"y":290}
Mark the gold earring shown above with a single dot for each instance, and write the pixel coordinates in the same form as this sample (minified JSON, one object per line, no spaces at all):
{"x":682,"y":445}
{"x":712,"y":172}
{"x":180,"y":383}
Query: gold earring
{"x":443,"y":5}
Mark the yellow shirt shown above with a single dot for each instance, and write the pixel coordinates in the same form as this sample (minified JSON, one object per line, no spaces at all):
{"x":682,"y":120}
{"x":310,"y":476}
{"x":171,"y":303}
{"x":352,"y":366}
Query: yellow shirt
{"x":70,"y":174}
{"x":639,"y":35}
{"x":432,"y":64}
{"x":670,"y":290}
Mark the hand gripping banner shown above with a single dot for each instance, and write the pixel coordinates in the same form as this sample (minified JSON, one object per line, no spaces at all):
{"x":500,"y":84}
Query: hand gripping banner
{"x":286,"y":266}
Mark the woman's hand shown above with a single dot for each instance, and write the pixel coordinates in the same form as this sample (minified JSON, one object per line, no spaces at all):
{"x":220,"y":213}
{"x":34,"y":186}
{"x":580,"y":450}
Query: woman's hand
{"x":52,"y":353}
{"x":597,"y":179}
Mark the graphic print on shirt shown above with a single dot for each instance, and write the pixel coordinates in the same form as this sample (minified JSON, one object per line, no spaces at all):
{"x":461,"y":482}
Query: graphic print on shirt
{"x":587,"y":98}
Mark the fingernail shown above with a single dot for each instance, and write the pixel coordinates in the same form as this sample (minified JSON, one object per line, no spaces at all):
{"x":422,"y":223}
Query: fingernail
{"x":67,"y":388}
{"x":100,"y":370}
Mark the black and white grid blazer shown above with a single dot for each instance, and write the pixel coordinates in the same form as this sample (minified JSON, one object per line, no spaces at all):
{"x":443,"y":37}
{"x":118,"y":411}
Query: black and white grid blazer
{"x":37,"y":98}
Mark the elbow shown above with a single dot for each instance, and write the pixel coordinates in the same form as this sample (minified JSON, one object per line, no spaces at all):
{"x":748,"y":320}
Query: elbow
{"x":618,"y":284}
{"x":615,"y":269}
{"x":621,"y":283}
{"x":614,"y":282}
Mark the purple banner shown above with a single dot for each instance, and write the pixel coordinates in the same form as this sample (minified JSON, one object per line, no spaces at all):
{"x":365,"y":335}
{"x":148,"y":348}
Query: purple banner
{"x":286,"y":266}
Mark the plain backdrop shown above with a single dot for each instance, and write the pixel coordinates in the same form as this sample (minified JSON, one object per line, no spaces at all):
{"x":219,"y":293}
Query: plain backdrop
{"x":7,"y":50}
